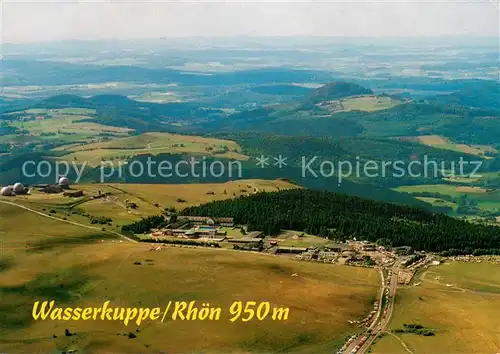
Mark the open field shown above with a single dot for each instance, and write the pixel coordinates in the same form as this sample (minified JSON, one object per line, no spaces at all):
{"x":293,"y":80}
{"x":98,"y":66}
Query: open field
{"x":156,"y":97}
{"x":368,"y":103}
{"x":152,"y":143}
{"x":167,"y":195}
{"x":452,"y":190}
{"x":387,"y":344}
{"x":486,"y":199}
{"x":63,"y":122}
{"x":438,"y":202}
{"x":150,"y":199}
{"x":444,"y":143}
{"x":45,"y":259}
{"x":45,"y":128}
{"x":83,"y":89}
{"x":468,"y":180}
{"x":432,"y":140}
{"x":289,"y":238}
{"x":460,"y":301}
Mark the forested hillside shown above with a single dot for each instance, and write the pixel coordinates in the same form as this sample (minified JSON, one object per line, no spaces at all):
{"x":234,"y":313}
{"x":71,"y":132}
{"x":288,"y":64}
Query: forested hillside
{"x":320,"y":112}
{"x":480,"y":94}
{"x":339,"y":217}
{"x":24,"y":72}
{"x":362,"y":150}
{"x":314,"y":116}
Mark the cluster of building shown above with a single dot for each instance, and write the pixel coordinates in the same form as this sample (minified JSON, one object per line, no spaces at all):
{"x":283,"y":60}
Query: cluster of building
{"x":195,"y":227}
{"x":19,"y":189}
{"x":253,"y":241}
{"x":61,"y":186}
{"x":329,"y":253}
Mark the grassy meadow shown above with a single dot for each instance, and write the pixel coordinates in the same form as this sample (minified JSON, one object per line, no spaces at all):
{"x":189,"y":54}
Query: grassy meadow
{"x":64,"y":123}
{"x":289,"y":238}
{"x":460,"y":301}
{"x":368,"y":103}
{"x":151,"y":143}
{"x":47,"y":259}
{"x":150,"y":199}
{"x":444,"y":143}
{"x":365,"y":103}
{"x":157,"y":97}
{"x":486,"y":199}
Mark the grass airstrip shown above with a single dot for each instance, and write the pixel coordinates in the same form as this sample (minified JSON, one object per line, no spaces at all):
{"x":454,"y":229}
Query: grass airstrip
{"x":460,"y":301}
{"x":48,"y":259}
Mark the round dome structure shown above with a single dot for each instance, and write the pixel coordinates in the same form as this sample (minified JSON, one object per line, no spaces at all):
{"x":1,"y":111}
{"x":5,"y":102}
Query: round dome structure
{"x":18,"y":187}
{"x":64,"y":181}
{"x":6,"y":191}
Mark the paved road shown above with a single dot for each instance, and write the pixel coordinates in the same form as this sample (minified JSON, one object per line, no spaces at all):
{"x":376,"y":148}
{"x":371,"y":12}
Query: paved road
{"x":384,"y":323}
{"x":67,"y":221}
{"x":358,"y":340}
{"x":380,"y":323}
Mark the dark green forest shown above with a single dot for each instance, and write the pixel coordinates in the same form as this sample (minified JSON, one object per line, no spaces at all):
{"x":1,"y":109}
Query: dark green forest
{"x":338,"y":216}
{"x":459,"y":123}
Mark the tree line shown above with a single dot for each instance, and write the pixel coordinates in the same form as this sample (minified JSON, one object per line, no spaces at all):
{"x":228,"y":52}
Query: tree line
{"x":341,"y":217}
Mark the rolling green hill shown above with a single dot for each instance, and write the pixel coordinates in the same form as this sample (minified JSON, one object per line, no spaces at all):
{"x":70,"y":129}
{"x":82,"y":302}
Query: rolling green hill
{"x":336,"y":109}
{"x":333,"y":91}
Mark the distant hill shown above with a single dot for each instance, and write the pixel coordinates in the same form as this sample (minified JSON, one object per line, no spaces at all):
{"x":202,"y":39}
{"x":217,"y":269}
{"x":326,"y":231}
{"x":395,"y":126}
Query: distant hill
{"x":483,"y":94}
{"x":64,"y":101}
{"x":334,"y":91}
{"x":324,"y":112}
{"x":121,"y":111}
{"x":303,"y":118}
{"x":335,"y":109}
{"x":24,"y":72}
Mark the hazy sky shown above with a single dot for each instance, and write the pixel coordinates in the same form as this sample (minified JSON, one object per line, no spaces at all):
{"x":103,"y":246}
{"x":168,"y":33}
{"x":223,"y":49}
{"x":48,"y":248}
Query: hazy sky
{"x":35,"y":21}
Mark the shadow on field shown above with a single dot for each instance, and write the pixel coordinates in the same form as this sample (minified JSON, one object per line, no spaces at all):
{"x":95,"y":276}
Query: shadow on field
{"x":62,"y":286}
{"x":273,"y":268}
{"x":279,"y":269}
{"x":5,"y":265}
{"x":278,"y":343}
{"x":55,"y":242}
